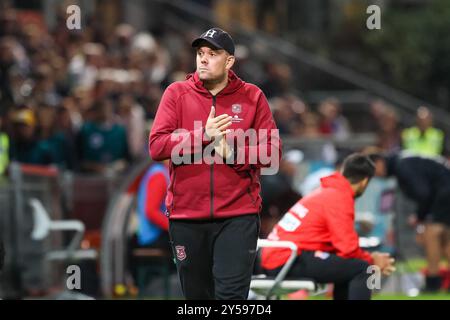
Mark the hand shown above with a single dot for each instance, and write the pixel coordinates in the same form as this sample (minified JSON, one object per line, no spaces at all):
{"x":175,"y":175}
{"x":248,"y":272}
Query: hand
{"x":385,"y":262}
{"x":216,"y":126}
{"x":223,"y":148}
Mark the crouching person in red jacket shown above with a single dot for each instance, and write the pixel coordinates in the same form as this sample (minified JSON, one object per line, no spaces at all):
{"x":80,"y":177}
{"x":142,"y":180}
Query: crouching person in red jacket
{"x":322,"y":226}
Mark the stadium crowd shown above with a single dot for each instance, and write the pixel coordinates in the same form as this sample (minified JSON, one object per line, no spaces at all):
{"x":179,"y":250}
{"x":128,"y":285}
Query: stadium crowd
{"x":85,"y":100}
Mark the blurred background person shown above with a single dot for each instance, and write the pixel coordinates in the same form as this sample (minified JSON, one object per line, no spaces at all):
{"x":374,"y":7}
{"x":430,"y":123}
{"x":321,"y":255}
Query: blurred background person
{"x":103,"y":142}
{"x":152,"y":221}
{"x":424,"y":139}
{"x":332,"y":122}
{"x":426,"y":182}
{"x":4,"y":146}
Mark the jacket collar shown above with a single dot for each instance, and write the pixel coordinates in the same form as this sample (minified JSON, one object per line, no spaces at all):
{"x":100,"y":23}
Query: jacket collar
{"x":337,"y":181}
{"x":234,"y":84}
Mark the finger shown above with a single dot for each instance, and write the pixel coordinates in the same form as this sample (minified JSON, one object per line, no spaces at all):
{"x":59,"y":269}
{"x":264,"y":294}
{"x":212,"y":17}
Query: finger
{"x":220,"y":118}
{"x":224,"y":132}
{"x":212,"y":113}
{"x":223,"y":122}
{"x":222,"y":128}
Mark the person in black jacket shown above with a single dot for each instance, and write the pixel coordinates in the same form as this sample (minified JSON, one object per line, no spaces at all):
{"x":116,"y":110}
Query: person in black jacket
{"x":426,"y":181}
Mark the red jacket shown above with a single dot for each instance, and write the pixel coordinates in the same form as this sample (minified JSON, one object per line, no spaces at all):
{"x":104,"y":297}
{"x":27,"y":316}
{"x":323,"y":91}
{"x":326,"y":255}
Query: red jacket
{"x":201,"y":190}
{"x":322,"y":221}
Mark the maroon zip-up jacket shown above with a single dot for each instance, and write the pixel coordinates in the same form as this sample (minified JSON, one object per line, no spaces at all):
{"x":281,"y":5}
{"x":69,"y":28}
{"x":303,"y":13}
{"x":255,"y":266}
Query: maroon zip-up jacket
{"x":204,"y":190}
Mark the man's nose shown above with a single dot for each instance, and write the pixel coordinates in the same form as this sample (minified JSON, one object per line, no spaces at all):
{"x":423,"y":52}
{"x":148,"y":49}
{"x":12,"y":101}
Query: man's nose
{"x":204,"y":60}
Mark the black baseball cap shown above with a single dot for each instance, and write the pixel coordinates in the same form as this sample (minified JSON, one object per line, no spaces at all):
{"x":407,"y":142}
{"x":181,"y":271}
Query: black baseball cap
{"x":218,"y":38}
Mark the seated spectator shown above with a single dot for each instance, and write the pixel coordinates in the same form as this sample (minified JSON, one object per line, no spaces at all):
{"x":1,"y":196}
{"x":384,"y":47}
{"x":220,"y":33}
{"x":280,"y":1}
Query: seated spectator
{"x":333,"y":123}
{"x":322,"y":226}
{"x":103,"y":143}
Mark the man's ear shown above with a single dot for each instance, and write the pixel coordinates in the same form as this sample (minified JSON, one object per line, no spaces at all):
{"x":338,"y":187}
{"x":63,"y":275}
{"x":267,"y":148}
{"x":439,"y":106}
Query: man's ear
{"x":230,"y":62}
{"x":365,"y":182}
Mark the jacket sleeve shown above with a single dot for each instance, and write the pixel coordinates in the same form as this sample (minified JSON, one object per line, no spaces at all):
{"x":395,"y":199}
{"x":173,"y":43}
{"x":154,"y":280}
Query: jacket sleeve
{"x":165,"y":136}
{"x":266,"y":150}
{"x":340,"y":221}
{"x":156,"y":193}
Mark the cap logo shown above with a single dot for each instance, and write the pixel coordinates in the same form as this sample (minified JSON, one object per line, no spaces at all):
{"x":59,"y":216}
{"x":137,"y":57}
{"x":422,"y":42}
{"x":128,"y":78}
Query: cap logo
{"x":210,"y":33}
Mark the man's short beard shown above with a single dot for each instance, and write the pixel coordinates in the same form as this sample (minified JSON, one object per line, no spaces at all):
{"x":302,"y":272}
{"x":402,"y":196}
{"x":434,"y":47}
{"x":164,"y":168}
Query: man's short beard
{"x":212,"y":82}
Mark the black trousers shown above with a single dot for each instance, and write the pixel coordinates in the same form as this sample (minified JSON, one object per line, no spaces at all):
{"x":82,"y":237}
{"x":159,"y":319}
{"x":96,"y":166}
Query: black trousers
{"x":215,"y":258}
{"x":349,"y":276}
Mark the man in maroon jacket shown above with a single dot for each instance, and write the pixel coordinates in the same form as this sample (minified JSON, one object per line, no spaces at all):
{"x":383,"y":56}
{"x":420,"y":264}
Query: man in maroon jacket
{"x":322,"y":225}
{"x":219,"y":135}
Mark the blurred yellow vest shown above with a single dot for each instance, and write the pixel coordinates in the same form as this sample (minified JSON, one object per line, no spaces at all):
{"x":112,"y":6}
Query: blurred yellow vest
{"x":430,"y":143}
{"x":4,"y":152}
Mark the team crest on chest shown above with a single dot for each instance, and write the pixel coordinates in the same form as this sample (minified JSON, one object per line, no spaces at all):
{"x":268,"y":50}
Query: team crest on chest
{"x":236,"y":109}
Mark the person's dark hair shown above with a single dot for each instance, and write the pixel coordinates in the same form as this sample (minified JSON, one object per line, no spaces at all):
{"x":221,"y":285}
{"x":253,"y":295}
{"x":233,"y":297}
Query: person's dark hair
{"x":375,"y":157}
{"x":357,"y":167}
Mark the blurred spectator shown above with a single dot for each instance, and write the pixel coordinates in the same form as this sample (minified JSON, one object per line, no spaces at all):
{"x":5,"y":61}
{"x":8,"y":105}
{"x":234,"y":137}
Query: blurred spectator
{"x":388,"y":134}
{"x":133,"y":118}
{"x":65,"y":128}
{"x":8,"y":63}
{"x":423,"y":139}
{"x":8,"y":22}
{"x":288,"y":122}
{"x":25,"y":145}
{"x":62,"y":151}
{"x":311,"y":125}
{"x":83,"y":68}
{"x":333,"y":123}
{"x":153,"y":222}
{"x":44,"y":90}
{"x":271,"y":15}
{"x":103,"y":142}
{"x":278,"y":80}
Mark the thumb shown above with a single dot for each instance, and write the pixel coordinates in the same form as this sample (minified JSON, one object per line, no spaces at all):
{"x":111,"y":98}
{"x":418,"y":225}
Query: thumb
{"x":212,"y":113}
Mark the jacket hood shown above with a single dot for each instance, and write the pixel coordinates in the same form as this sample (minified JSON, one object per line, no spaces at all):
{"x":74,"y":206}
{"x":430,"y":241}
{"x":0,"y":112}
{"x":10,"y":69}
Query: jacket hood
{"x":337,"y":181}
{"x":234,"y":83}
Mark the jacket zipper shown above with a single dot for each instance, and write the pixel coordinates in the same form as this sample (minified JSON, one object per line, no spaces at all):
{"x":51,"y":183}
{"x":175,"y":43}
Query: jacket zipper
{"x":173,"y":189}
{"x":212,"y":173}
{"x":248,"y":189}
